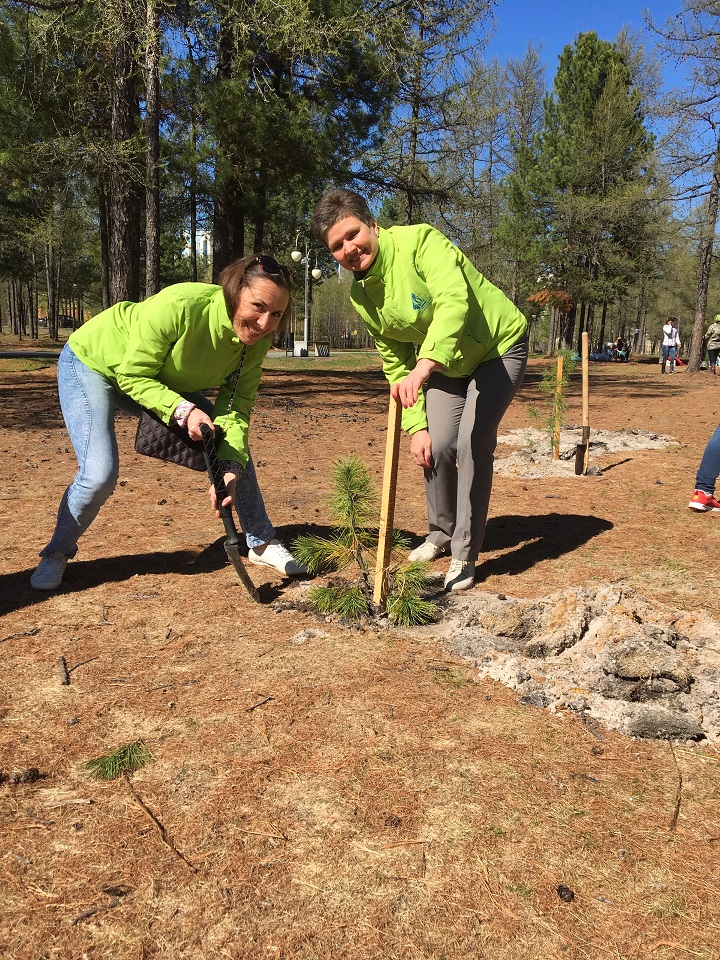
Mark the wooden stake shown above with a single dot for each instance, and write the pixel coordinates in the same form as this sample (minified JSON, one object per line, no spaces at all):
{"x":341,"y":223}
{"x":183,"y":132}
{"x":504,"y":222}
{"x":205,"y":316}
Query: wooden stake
{"x":582,"y":451}
{"x":387,"y":505}
{"x":558,"y":404}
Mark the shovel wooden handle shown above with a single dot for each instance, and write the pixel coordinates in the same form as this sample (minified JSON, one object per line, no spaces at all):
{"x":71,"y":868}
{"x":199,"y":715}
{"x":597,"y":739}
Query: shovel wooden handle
{"x":387,"y":504}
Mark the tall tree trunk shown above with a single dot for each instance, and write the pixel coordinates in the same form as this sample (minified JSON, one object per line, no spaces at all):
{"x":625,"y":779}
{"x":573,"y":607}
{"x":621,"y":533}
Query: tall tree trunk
{"x":228,"y":227}
{"x":193,"y":208}
{"x":410,"y":188}
{"x":51,"y":290}
{"x":104,"y":225}
{"x":706,"y":250}
{"x":639,"y":331}
{"x":124,"y":207}
{"x":152,"y":149}
{"x":603,"y":319}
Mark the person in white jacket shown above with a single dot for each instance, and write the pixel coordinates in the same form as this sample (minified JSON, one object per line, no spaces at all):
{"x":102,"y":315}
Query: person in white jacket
{"x":671,"y":344}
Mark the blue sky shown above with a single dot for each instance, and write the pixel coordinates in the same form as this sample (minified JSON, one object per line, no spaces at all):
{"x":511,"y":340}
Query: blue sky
{"x":555,"y":23}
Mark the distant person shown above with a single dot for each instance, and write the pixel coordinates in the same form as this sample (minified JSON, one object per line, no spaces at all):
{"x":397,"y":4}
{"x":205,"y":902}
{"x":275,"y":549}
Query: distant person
{"x":713,"y":342}
{"x":671,"y":344}
{"x":454,"y":350}
{"x":159,"y":354}
{"x":703,"y":499}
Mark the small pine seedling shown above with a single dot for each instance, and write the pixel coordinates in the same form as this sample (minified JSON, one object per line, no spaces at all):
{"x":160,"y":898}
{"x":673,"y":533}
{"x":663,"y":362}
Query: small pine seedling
{"x":354,"y":540}
{"x":119,"y":762}
{"x":554,"y":413}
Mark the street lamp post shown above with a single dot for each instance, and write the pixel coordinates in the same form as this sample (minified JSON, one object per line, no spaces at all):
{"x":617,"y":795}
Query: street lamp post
{"x":304,"y":260}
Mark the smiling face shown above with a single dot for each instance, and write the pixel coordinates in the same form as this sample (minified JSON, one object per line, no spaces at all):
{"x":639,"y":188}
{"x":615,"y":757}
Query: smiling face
{"x":353,"y":243}
{"x":261,"y":306}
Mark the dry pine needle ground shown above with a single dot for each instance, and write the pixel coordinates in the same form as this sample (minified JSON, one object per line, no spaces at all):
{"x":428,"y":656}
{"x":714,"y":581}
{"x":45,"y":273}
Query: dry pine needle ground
{"x":324,"y":793}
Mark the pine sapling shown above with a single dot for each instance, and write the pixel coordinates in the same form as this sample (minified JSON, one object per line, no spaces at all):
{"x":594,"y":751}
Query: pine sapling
{"x":553,"y":389}
{"x":353,"y":542}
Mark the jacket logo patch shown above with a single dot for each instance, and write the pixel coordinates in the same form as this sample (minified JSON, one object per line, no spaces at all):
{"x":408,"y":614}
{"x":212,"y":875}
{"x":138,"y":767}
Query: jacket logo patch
{"x":418,"y":303}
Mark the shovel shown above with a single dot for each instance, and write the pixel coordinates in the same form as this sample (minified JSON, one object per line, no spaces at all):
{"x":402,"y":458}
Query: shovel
{"x":582,"y":450}
{"x":232,"y":542}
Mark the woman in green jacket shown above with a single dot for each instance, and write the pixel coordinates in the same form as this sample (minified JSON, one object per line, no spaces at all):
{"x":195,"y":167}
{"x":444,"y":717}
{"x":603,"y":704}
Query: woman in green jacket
{"x":454,"y":350}
{"x":159,"y":354}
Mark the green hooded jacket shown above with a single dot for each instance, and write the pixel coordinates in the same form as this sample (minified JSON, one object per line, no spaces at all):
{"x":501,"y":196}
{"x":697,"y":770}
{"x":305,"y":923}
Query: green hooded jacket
{"x":177,"y":342}
{"x":422,"y":290}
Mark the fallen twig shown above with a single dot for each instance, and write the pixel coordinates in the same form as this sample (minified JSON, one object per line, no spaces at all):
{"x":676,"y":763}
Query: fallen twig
{"x":259,"y":833}
{"x":33,"y":631}
{"x":82,"y":663}
{"x":678,"y":792}
{"x":401,"y":843}
{"x":65,"y":803}
{"x":256,"y":705}
{"x":91,"y":913}
{"x":163,"y":832}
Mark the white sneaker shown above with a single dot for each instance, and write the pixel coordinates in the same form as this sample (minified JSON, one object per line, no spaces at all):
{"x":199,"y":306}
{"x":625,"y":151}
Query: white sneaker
{"x":274,"y":554}
{"x":49,"y":572}
{"x":461,"y":575}
{"x":426,"y":551}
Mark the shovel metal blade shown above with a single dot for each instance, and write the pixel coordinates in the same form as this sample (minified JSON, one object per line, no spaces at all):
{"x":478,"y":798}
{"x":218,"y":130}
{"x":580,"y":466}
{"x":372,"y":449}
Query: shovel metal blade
{"x":233,"y":552}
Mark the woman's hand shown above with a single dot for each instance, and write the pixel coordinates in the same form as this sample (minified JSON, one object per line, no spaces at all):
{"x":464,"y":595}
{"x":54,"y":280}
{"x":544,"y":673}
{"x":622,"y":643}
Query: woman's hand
{"x":408,"y":389}
{"x":229,"y":480}
{"x":194,"y":420}
{"x":421,"y":449}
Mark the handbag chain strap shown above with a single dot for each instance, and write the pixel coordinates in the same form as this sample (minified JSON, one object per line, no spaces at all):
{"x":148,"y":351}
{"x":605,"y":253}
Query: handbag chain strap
{"x":237,"y":379}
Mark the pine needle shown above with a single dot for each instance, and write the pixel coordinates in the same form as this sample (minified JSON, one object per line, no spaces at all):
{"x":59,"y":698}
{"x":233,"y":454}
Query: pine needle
{"x":409,"y":611}
{"x":123,"y":760}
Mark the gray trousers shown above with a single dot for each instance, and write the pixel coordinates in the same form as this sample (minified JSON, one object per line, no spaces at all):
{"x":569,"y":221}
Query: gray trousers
{"x":463,"y":419}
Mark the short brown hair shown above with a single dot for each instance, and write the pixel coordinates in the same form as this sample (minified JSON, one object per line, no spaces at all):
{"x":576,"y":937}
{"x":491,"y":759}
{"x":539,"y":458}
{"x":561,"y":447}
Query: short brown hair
{"x":336,"y":204}
{"x":242,"y":272}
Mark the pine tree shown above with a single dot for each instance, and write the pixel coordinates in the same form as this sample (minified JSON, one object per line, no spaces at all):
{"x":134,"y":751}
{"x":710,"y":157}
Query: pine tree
{"x":353,"y":544}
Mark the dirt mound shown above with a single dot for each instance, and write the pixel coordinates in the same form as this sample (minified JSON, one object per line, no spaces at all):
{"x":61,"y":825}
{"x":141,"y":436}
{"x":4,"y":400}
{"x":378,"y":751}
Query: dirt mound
{"x":640,"y":668}
{"x":533,"y":459}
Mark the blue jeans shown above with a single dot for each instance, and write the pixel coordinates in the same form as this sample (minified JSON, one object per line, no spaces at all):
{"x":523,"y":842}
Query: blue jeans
{"x":88,"y":401}
{"x":668,"y":353}
{"x":709,"y":465}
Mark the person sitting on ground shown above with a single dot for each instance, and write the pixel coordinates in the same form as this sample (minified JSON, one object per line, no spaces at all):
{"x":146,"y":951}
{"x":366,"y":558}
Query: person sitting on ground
{"x":670,"y":344}
{"x":411,"y":287}
{"x":703,"y":499}
{"x":713,"y":343}
{"x":159,"y":354}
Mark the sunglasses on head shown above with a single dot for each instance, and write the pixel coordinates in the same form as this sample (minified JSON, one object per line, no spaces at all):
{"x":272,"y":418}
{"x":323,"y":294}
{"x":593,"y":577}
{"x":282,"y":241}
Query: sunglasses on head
{"x":271,"y":266}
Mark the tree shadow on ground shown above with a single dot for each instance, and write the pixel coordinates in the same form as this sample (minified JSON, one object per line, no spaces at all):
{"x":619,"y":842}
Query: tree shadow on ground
{"x":530,"y":540}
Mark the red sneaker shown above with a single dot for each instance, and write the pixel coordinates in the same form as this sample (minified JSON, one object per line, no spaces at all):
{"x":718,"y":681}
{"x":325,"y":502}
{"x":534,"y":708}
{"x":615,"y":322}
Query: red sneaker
{"x":704,"y":502}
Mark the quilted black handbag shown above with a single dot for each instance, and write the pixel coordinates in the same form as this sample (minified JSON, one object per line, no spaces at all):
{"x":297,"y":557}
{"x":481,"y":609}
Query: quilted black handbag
{"x":167,"y":442}
{"x":172,"y":443}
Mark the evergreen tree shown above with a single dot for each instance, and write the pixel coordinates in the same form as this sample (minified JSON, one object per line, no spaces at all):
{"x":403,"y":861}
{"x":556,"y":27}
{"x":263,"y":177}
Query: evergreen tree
{"x":589,"y":176}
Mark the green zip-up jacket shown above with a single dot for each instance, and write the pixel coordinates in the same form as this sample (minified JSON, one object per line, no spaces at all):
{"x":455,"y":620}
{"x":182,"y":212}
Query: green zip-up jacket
{"x":174,"y":343}
{"x":422,"y":290}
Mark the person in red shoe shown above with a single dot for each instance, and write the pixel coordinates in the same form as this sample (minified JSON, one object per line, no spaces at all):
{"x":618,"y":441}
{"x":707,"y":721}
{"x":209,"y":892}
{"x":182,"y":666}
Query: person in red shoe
{"x":703,"y":499}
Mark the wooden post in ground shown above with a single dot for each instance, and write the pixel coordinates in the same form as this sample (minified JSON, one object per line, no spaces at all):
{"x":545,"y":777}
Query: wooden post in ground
{"x":558,"y":407}
{"x":387,"y":505}
{"x":582,"y":451}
